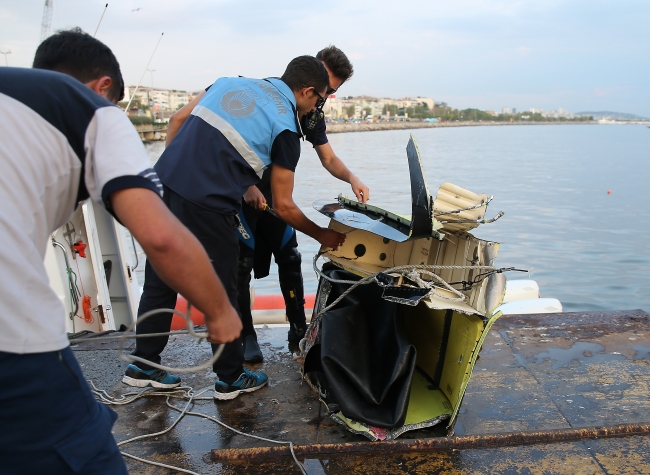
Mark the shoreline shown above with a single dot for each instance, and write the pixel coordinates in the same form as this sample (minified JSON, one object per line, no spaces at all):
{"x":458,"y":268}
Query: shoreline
{"x":336,"y":128}
{"x":149,"y":133}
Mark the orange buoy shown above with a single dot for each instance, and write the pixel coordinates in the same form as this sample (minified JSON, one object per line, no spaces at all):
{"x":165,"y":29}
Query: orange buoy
{"x":178,"y":322}
{"x":609,"y":192}
{"x":262,"y":302}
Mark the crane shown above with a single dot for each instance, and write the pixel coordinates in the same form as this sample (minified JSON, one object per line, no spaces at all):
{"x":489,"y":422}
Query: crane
{"x":47,"y":19}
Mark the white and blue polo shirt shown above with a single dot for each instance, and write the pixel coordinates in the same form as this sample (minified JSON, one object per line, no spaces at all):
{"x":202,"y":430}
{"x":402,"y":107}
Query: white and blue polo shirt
{"x":60,"y":143}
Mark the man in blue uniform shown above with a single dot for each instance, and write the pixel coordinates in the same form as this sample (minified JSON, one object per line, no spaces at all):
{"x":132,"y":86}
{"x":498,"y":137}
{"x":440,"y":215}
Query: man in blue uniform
{"x":239,"y":127}
{"x":262,"y":234}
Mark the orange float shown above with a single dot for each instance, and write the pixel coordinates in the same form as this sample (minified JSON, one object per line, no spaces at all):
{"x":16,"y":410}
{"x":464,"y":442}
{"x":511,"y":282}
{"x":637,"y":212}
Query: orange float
{"x":262,"y":302}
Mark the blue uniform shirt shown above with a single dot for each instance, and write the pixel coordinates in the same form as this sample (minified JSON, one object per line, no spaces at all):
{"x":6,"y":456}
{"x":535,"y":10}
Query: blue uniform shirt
{"x":229,"y":139}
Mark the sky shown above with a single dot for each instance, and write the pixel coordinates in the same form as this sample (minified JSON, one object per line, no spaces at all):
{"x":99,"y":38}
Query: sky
{"x":581,"y":55}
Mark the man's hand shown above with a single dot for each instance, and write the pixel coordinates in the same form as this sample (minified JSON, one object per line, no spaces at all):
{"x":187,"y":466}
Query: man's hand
{"x":225,"y":327}
{"x":330,"y":238}
{"x":337,"y":168}
{"x":254,"y":198}
{"x":361,"y":191}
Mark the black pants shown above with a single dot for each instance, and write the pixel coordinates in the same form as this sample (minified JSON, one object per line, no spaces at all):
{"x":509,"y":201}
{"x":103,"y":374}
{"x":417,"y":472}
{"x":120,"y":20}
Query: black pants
{"x":51,"y":423}
{"x":217,"y":232}
{"x":272,"y":237}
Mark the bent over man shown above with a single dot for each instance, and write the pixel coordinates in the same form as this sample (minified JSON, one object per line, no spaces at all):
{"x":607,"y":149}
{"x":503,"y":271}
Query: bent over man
{"x":265,"y":235}
{"x":262,"y":235}
{"x":62,"y":142}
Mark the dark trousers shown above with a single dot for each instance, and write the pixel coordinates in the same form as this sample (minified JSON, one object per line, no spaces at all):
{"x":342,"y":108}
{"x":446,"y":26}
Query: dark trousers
{"x":272,"y":237}
{"x":50,"y":422}
{"x":217,"y":233}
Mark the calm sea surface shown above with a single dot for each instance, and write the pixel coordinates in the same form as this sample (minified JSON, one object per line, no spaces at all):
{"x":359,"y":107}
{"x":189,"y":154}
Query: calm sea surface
{"x":585,"y":247}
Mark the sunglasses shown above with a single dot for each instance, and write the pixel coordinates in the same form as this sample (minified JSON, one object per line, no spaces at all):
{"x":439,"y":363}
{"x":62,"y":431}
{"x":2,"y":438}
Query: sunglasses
{"x":321,"y":101}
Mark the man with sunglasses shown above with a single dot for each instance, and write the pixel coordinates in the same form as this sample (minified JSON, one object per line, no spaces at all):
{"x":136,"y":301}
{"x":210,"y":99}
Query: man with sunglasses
{"x":233,"y":132}
{"x":263,"y":234}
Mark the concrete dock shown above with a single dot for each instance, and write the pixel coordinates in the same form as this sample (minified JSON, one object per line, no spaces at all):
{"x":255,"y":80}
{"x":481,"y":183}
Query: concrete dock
{"x":561,"y":393}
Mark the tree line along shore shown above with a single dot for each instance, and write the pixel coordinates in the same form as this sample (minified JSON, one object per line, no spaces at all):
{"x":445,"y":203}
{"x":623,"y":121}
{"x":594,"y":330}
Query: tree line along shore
{"x":340,"y":127}
{"x":150,"y":133}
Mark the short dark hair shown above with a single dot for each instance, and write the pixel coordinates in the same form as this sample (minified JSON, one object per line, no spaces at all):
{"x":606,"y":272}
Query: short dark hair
{"x":81,"y":56}
{"x":337,"y":62}
{"x":306,"y":71}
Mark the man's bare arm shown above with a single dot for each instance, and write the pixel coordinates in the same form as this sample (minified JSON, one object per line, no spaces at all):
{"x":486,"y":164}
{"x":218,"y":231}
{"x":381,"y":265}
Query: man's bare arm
{"x":333,"y":164}
{"x":180,"y":116}
{"x":282,"y":181}
{"x":178,"y":258}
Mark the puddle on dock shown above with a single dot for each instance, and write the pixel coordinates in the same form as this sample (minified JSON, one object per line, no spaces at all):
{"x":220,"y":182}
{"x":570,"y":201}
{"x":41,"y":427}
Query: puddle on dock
{"x":578,"y":357}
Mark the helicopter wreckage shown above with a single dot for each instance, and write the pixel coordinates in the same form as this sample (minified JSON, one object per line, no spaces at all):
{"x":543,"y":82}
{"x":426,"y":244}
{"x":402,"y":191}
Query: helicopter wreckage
{"x":402,"y":309}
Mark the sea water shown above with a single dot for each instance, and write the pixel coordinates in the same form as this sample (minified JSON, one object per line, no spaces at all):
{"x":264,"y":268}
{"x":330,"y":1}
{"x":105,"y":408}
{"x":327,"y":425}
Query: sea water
{"x":575,"y":199}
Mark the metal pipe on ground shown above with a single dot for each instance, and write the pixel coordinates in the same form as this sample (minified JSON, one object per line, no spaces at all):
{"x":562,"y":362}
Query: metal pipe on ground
{"x":438,"y":444}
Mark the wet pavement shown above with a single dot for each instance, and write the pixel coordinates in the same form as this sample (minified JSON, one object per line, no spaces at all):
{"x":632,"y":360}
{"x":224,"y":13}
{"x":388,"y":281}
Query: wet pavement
{"x":543,"y":387}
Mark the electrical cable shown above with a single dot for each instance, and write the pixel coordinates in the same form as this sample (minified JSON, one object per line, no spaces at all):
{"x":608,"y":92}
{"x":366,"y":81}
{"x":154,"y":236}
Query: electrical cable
{"x":187,"y":392}
{"x":158,"y":464}
{"x":469,"y":208}
{"x":183,"y":392}
{"x":73,"y":289}
{"x":130,"y":358}
{"x":75,"y":294}
{"x":412,"y":275}
{"x":190,"y":329}
{"x":467,"y":284}
{"x":126,"y":110}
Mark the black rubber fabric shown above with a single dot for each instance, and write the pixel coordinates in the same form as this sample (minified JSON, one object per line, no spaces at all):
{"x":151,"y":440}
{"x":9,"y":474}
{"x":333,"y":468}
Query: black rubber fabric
{"x":365,"y":356}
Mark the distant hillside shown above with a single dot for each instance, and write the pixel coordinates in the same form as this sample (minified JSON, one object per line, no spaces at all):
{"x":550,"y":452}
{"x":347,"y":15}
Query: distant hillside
{"x":611,"y":115}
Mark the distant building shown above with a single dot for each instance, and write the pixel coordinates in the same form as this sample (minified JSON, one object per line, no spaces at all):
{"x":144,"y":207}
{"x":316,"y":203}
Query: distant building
{"x":505,"y":110}
{"x":161,"y":101}
{"x":178,"y":99}
{"x":413,"y":102}
{"x":364,"y":106}
{"x":514,"y":110}
{"x":141,"y":94}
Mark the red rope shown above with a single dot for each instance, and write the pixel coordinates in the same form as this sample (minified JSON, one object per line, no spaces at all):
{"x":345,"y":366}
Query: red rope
{"x":88,"y":316}
{"x":86,"y":304}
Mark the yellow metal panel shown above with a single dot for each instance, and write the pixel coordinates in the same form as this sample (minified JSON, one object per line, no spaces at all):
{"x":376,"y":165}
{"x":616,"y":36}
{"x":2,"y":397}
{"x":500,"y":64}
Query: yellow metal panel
{"x":425,"y":403}
{"x":424,"y":328}
{"x":463,"y":336}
